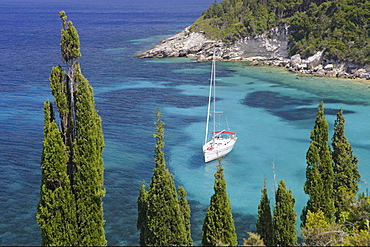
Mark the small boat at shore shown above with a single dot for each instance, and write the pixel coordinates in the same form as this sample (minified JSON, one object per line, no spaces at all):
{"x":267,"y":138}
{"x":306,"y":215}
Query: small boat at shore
{"x":220,"y":142}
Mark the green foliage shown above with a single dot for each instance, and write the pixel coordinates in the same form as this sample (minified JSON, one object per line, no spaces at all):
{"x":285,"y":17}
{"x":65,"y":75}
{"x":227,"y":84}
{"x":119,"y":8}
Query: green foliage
{"x":70,"y":41}
{"x":345,"y":165}
{"x":142,"y":205}
{"x":162,"y":215}
{"x":318,"y":232}
{"x":59,"y":89}
{"x":253,"y":240}
{"x":159,"y":136}
{"x":264,"y":222}
{"x":339,"y":26}
{"x":316,"y":220}
{"x":234,"y":19}
{"x":361,"y":238}
{"x":356,"y":216}
{"x":356,"y":220}
{"x":55,"y":216}
{"x":351,"y":230}
{"x":319,"y":171}
{"x":284,"y":217}
{"x":352,"y":215}
{"x":218,"y":226}
{"x":89,"y":173}
{"x":70,"y":210}
{"x":185,"y":209}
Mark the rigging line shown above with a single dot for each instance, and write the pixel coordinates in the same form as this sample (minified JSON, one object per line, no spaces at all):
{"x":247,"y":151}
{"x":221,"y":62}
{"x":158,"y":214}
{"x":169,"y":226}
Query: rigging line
{"x":227,"y":123}
{"x":221,"y":120}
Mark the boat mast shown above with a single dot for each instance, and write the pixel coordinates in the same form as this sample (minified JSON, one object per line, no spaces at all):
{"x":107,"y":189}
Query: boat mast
{"x":209,"y":104}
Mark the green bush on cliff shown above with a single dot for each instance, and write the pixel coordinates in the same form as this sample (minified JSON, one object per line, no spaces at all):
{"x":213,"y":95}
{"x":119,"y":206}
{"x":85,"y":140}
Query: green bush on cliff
{"x":233,"y":19}
{"x":342,"y":27}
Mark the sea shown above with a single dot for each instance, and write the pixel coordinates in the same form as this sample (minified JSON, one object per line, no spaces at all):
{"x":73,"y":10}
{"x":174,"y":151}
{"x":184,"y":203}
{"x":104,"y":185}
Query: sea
{"x":271,"y":110}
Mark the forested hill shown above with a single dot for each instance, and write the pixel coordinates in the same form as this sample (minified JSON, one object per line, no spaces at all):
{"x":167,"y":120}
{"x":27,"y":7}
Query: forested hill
{"x":341,"y":27}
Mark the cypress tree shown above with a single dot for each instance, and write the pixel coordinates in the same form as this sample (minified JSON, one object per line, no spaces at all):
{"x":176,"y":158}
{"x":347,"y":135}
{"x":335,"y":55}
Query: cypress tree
{"x":264,"y":222}
{"x":185,"y":209}
{"x":284,"y":217}
{"x":218,"y":226}
{"x":345,"y":165}
{"x":82,"y":138}
{"x":56,"y":208}
{"x":319,"y":171}
{"x":165,"y":224}
{"x":142,"y":205}
{"x":89,"y":165}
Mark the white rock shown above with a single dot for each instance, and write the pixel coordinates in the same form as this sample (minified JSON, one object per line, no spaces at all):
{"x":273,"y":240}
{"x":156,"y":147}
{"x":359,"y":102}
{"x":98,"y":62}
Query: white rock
{"x":315,"y":60}
{"x":329,"y":66}
{"x":296,"y":60}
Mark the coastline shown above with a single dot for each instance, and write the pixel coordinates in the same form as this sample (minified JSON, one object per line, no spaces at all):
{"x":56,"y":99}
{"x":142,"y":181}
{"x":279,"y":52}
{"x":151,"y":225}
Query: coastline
{"x":269,"y":49}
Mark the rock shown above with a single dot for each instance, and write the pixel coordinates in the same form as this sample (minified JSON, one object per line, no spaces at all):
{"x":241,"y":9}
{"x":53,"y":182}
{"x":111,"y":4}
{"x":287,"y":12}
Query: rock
{"x":318,"y":67}
{"x":201,"y":58}
{"x":364,"y":75}
{"x":359,"y":72}
{"x":270,"y":44}
{"x":179,"y":45}
{"x":330,"y":73}
{"x":268,"y":48}
{"x":302,"y":66}
{"x":315,"y":60}
{"x":295,"y":60}
{"x":343,"y":74}
{"x":329,"y":66}
{"x":319,"y":72}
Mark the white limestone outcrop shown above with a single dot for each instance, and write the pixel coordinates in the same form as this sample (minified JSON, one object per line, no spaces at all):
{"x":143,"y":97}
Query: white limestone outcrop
{"x":268,"y":48}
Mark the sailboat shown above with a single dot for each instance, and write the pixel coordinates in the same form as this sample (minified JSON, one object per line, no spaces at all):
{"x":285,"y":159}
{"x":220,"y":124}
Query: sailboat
{"x":220,"y":142}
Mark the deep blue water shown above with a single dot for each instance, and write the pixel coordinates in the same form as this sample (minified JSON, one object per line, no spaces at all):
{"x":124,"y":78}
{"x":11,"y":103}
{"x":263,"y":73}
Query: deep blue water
{"x":272,"y":111}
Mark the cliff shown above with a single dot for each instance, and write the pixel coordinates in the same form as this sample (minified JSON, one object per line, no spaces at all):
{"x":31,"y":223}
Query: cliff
{"x":268,"y":45}
{"x":268,"y":48}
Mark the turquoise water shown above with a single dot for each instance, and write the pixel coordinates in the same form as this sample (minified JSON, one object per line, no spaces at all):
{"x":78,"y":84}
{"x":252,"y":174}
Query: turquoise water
{"x":272,"y":111}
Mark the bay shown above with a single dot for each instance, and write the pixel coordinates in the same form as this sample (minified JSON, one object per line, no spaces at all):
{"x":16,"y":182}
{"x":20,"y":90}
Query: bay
{"x":272,"y":111}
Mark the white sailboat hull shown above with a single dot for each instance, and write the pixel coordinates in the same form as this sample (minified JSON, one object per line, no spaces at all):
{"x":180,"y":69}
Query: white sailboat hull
{"x":218,"y":148}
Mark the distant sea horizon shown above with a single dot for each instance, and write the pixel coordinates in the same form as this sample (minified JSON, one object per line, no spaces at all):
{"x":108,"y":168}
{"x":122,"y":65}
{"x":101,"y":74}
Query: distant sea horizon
{"x":271,"y":110}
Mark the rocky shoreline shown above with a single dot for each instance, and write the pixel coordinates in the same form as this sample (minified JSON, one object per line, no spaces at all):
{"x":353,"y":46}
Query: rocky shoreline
{"x":269,"y":48}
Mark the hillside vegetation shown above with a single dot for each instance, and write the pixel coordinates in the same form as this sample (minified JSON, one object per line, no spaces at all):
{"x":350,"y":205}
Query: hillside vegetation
{"x":341,"y":27}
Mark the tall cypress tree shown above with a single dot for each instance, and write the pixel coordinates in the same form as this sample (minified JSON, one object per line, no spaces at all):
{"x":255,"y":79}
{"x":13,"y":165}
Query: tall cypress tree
{"x":218,"y":226}
{"x":89,"y":165}
{"x":319,"y":171}
{"x":264,"y":222}
{"x":284,"y":217}
{"x":345,"y":165}
{"x":165,"y":223}
{"x":142,"y":205}
{"x":83,"y":142}
{"x":56,"y":208}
